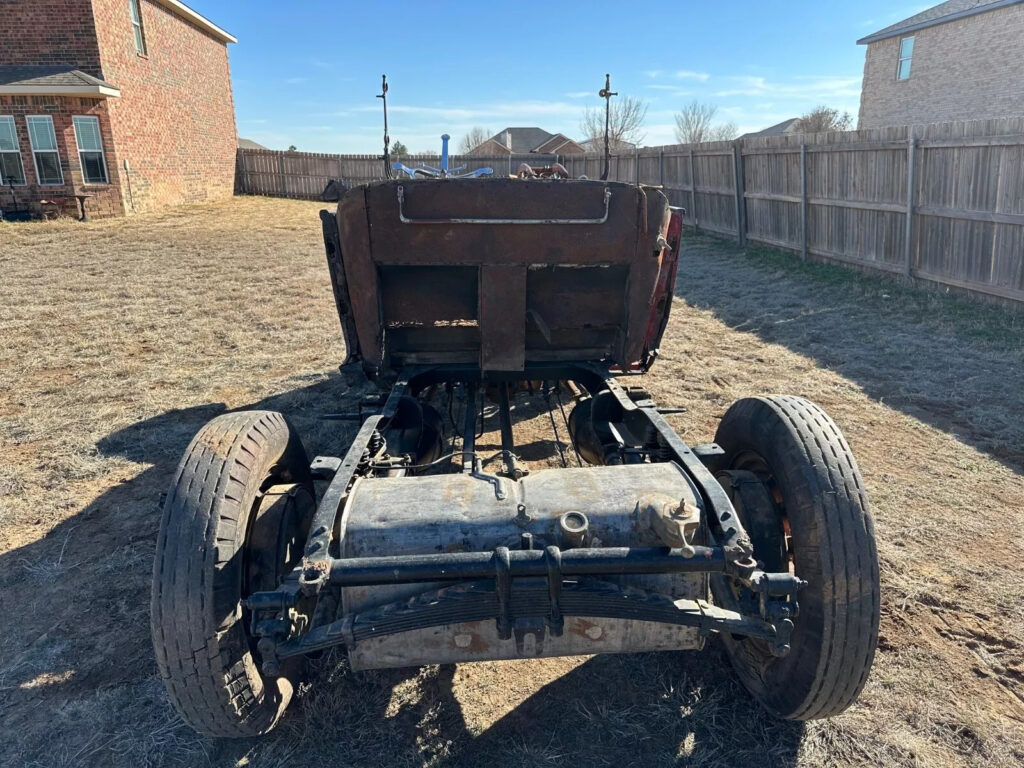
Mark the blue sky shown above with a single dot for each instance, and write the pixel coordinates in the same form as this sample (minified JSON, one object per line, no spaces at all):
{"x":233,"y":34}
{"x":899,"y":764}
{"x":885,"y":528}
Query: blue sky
{"x":306,"y":72}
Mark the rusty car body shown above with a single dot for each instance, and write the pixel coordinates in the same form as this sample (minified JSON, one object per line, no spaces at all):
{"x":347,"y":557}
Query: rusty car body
{"x":460,"y":298}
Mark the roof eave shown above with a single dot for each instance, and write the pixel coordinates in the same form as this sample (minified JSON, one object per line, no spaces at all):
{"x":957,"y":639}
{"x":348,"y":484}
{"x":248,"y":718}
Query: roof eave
{"x":900,"y":31}
{"x":86,"y":91}
{"x":200,"y":21}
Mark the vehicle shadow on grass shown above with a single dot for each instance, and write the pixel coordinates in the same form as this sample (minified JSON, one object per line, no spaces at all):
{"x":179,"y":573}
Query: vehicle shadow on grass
{"x":76,"y":613}
{"x":948,"y":361}
{"x":653,"y":709}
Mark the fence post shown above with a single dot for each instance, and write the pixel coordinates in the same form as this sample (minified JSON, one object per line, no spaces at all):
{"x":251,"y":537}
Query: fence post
{"x":908,"y":238}
{"x":241,"y":174}
{"x":803,"y":201}
{"x":661,"y":168}
{"x":280,"y":172}
{"x":741,"y":217}
{"x":693,"y":190}
{"x":636,"y":165}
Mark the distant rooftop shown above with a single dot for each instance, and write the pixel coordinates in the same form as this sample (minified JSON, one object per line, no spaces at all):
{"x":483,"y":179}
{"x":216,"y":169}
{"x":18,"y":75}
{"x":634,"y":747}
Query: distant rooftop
{"x":940,"y":14}
{"x":523,"y":140}
{"x":779,"y":129}
{"x":248,"y":144}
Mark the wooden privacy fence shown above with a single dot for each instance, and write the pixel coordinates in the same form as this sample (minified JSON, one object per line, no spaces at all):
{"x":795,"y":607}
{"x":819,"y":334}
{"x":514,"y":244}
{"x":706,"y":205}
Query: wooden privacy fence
{"x":304,"y":175}
{"x":941,"y":202}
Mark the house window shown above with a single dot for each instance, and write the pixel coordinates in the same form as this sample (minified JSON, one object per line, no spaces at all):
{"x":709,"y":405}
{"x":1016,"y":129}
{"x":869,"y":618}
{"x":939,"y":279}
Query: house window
{"x":11,"y":169}
{"x":44,"y":150}
{"x":90,"y":149}
{"x":906,"y":54}
{"x":140,"y":36}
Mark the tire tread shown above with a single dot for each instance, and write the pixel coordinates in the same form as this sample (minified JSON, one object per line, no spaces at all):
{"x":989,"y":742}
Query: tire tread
{"x":212,"y":682}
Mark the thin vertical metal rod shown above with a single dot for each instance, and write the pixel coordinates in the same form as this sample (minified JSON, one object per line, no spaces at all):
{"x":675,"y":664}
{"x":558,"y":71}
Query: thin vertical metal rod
{"x":469,"y":431}
{"x":908,"y":238}
{"x":803,"y":201}
{"x":505,"y":422}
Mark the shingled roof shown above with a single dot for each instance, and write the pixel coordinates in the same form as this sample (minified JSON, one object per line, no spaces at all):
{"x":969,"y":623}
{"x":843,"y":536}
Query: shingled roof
{"x":779,"y":129}
{"x":939,"y":14}
{"x":18,"y":79}
{"x":524,"y":140}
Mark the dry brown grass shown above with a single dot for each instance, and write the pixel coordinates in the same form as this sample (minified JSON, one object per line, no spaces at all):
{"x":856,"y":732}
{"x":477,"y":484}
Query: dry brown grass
{"x":121,"y":338}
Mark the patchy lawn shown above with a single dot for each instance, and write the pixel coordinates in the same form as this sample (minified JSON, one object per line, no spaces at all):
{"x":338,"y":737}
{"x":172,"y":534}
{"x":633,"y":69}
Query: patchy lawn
{"x":121,"y":338}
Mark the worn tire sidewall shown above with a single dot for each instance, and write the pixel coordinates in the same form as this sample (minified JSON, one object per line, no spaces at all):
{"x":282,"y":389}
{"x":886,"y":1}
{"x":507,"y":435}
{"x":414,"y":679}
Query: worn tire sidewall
{"x":222,"y":620}
{"x":754,"y":425}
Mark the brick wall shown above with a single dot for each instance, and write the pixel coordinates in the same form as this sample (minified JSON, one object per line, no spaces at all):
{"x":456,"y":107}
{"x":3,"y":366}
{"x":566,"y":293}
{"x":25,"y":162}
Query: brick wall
{"x":49,"y":32}
{"x":106,"y":198}
{"x":175,"y":120}
{"x":969,"y":69}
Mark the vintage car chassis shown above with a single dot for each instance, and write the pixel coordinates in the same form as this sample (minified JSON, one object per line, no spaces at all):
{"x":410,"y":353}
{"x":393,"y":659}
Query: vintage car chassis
{"x":526,"y":591}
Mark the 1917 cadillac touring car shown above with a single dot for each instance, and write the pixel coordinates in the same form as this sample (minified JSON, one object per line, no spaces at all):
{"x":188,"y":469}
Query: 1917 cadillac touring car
{"x":456,"y":296}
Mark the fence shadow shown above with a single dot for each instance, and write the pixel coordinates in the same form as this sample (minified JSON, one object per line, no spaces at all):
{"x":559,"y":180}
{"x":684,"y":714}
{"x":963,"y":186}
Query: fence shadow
{"x":947,"y":361}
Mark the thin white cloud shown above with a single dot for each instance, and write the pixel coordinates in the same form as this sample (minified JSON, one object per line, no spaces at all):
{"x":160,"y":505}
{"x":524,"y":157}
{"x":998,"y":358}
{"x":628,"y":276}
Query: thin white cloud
{"x":679,"y":74}
{"x":805,"y":87}
{"x":515,"y":110}
{"x":580,"y":94}
{"x":686,"y":74}
{"x":670,"y":90}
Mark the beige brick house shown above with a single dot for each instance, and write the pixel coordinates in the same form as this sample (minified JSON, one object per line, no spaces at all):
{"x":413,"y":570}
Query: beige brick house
{"x":127,"y":102}
{"x":960,"y":60}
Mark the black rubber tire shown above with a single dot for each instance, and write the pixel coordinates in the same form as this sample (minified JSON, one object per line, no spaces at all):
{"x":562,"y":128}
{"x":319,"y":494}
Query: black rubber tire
{"x":200,"y":636}
{"x":812,"y":474}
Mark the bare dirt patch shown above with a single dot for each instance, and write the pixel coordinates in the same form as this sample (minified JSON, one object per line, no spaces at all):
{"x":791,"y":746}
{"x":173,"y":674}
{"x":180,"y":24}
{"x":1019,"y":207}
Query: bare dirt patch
{"x":120,"y":339}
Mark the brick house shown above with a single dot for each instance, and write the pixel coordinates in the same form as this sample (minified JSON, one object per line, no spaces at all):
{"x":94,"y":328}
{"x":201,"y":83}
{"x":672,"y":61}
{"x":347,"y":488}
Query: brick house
{"x":128,"y":101}
{"x":525,"y":141}
{"x":960,"y":60}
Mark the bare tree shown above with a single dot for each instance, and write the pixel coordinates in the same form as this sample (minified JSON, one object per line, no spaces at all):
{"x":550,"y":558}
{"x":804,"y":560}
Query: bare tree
{"x":695,"y":125}
{"x":822,"y":119}
{"x":473,"y":139}
{"x":625,"y":124}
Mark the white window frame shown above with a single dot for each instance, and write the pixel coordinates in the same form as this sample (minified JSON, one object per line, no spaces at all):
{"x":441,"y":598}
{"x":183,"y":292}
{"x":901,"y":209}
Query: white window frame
{"x":900,"y":58}
{"x":55,"y":150}
{"x":4,"y":181}
{"x":139,"y":32}
{"x":102,"y":152}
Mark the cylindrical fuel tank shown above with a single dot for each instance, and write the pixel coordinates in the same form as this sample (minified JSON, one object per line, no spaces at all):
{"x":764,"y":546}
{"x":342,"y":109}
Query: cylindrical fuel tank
{"x":586,"y":506}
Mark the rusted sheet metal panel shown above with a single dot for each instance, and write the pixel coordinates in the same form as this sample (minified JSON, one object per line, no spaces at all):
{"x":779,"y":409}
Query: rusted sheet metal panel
{"x":479,"y":641}
{"x":336,"y":269}
{"x":427,"y":295}
{"x":643,"y":280}
{"x":514,"y":324}
{"x":567,"y":297}
{"x":610,"y":242}
{"x":502,"y":318}
{"x":361,"y":276}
